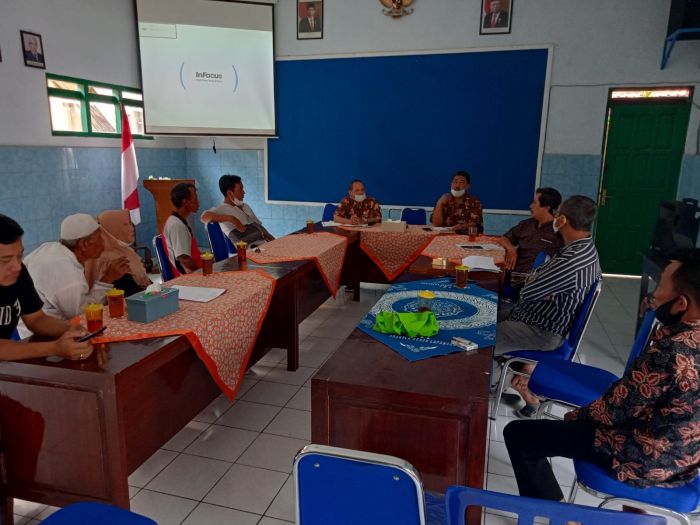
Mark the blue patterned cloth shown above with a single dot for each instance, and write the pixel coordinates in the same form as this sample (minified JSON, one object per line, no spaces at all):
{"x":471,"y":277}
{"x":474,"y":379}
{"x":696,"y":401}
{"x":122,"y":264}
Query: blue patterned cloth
{"x":469,"y":313}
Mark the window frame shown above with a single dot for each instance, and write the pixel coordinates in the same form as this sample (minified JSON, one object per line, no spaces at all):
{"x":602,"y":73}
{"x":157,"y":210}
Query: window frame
{"x":85,"y":97}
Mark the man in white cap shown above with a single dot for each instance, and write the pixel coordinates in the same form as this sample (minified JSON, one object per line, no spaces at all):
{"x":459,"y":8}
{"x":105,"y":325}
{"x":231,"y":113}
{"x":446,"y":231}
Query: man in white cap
{"x":58,"y":273}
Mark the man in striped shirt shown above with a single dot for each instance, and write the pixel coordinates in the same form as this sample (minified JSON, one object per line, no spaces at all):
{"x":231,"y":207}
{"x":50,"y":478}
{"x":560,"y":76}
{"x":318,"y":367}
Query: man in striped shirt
{"x":551,"y":297}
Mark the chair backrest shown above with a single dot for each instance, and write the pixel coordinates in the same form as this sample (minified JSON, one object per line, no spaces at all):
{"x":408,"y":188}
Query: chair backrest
{"x":328,"y":212}
{"x":90,"y":512}
{"x":413,"y":216}
{"x":15,"y":335}
{"x":230,"y":246}
{"x":583,"y":315}
{"x":458,"y":499}
{"x":166,"y":271}
{"x":217,"y":241}
{"x":349,"y":487}
{"x":539,"y":260}
{"x":642,"y":338}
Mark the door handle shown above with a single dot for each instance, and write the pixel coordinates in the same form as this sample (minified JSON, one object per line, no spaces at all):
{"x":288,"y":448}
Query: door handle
{"x":603,"y":196}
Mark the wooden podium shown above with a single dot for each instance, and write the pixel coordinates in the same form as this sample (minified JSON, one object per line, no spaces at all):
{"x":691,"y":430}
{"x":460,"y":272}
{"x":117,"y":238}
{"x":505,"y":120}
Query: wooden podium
{"x":160,"y":189}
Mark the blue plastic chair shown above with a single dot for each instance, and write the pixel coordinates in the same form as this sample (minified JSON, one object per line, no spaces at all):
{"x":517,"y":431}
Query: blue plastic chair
{"x":574,"y":384}
{"x":15,"y":335}
{"x":458,"y":499}
{"x":539,"y":260}
{"x":217,"y":241}
{"x":508,"y":293}
{"x":349,"y":487}
{"x":328,"y":212}
{"x":680,"y":503}
{"x":413,"y":216}
{"x":91,"y":513}
{"x":166,"y":271}
{"x":566,"y":352}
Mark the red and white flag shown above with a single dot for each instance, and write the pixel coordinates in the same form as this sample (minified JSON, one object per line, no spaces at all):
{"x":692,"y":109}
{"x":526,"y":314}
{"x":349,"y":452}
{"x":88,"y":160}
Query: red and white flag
{"x":130,"y":172}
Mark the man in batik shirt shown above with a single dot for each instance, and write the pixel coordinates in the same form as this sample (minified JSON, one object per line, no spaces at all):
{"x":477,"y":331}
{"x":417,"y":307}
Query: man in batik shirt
{"x":645,"y":430}
{"x":357,"y":207}
{"x":458,"y":209}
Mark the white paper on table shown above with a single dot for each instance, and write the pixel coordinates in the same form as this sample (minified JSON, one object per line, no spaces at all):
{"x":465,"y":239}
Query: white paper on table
{"x":327,"y":224}
{"x":481,"y":246}
{"x":199,"y":294}
{"x":480,"y":262}
{"x":441,"y":228}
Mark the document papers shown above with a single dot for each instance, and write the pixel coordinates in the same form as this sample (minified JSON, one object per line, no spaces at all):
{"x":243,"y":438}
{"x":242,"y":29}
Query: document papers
{"x":479,"y":262}
{"x":198,"y":294}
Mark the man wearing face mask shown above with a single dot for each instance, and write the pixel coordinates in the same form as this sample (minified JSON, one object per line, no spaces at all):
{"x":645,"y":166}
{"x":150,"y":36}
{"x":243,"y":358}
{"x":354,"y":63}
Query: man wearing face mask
{"x":458,"y":209}
{"x":551,"y":296}
{"x":644,"y":429}
{"x":357,"y":207}
{"x":236,"y":218}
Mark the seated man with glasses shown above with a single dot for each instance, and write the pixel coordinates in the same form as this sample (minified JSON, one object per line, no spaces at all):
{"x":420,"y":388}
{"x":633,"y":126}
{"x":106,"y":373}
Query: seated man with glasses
{"x":551,"y":296}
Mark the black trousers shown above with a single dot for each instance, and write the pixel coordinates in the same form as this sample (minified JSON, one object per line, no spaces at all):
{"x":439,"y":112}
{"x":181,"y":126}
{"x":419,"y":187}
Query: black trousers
{"x":530,"y":443}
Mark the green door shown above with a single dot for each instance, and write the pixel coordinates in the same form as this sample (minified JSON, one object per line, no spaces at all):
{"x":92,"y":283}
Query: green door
{"x":642,"y":159}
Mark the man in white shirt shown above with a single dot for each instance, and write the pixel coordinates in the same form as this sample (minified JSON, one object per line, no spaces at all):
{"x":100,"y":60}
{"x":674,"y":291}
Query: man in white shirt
{"x":236,"y":218}
{"x":180,"y":242}
{"x":58,"y":272}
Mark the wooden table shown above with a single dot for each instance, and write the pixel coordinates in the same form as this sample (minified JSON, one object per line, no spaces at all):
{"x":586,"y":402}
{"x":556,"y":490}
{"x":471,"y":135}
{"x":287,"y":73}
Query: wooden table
{"x":432,"y":413}
{"x":299,"y":291}
{"x":74,"y":430}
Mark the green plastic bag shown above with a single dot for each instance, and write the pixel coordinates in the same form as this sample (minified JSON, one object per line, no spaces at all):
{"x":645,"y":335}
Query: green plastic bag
{"x":422,"y":324}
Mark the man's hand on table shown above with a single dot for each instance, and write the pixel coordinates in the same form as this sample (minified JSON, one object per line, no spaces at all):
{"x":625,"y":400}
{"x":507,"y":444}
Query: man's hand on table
{"x":68,"y":346}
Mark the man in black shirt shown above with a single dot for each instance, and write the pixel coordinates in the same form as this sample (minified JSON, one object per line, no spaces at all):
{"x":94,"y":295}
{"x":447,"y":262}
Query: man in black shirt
{"x":19,"y":299}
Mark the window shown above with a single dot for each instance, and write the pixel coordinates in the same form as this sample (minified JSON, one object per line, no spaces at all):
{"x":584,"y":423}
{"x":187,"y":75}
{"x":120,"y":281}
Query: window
{"x":86,"y":108}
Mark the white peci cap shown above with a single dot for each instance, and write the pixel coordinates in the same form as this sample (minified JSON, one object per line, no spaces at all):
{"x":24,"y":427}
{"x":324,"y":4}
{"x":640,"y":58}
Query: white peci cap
{"x":78,"y":226}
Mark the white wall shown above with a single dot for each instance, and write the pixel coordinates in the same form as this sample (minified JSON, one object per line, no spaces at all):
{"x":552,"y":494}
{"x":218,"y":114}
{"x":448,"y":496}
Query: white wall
{"x":91,"y":39}
{"x":597,"y":44}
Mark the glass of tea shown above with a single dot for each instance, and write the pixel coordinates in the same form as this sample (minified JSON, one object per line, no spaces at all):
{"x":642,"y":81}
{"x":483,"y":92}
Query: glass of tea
{"x":461,"y":276}
{"x":93,"y":316}
{"x":241,"y":248}
{"x":207,"y":263}
{"x":425,"y":301}
{"x":309,"y":226}
{"x":115,"y":302}
{"x":472,"y":231}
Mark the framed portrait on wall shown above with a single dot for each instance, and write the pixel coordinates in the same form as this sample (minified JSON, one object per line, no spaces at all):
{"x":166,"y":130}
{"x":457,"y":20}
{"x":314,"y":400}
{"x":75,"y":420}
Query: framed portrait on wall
{"x":496,"y":16}
{"x":309,"y":19}
{"x":33,"y":50}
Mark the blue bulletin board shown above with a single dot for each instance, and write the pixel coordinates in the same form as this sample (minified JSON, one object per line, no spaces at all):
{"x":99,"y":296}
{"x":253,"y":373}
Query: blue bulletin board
{"x":405,"y":123}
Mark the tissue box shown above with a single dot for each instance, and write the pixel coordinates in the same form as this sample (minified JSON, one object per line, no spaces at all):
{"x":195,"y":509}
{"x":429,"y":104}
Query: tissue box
{"x":146,"y":308}
{"x":394,"y":226}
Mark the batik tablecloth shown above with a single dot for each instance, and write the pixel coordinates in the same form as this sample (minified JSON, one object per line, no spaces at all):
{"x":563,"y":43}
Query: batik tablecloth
{"x":222,"y":331}
{"x":393,"y":252}
{"x":469,"y":313}
{"x":326,"y":249}
{"x":446,"y":246}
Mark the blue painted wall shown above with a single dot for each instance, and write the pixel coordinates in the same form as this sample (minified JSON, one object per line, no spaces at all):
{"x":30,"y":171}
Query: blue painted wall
{"x":41,"y":185}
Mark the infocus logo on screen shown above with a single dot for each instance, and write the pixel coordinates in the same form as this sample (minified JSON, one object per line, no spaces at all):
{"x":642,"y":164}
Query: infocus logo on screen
{"x":208,"y":77}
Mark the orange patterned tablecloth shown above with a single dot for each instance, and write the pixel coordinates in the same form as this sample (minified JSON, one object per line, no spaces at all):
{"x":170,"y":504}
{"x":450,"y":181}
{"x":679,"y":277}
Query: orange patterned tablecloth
{"x":222,"y":331}
{"x":326,"y":249}
{"x":446,"y":246}
{"x":393,"y":252}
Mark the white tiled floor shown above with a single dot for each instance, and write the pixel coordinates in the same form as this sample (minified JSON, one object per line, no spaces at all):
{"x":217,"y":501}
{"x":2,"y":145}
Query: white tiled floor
{"x":231,"y":464}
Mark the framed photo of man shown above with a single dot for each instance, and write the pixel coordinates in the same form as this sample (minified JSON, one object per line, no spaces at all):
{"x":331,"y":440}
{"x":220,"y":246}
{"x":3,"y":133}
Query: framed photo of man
{"x":495,"y":17}
{"x":309,"y":19}
{"x":33,"y":50}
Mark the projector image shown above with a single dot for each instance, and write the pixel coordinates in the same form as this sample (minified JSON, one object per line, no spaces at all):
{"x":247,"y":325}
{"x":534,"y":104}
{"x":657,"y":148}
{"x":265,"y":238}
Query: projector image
{"x":393,"y":226}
